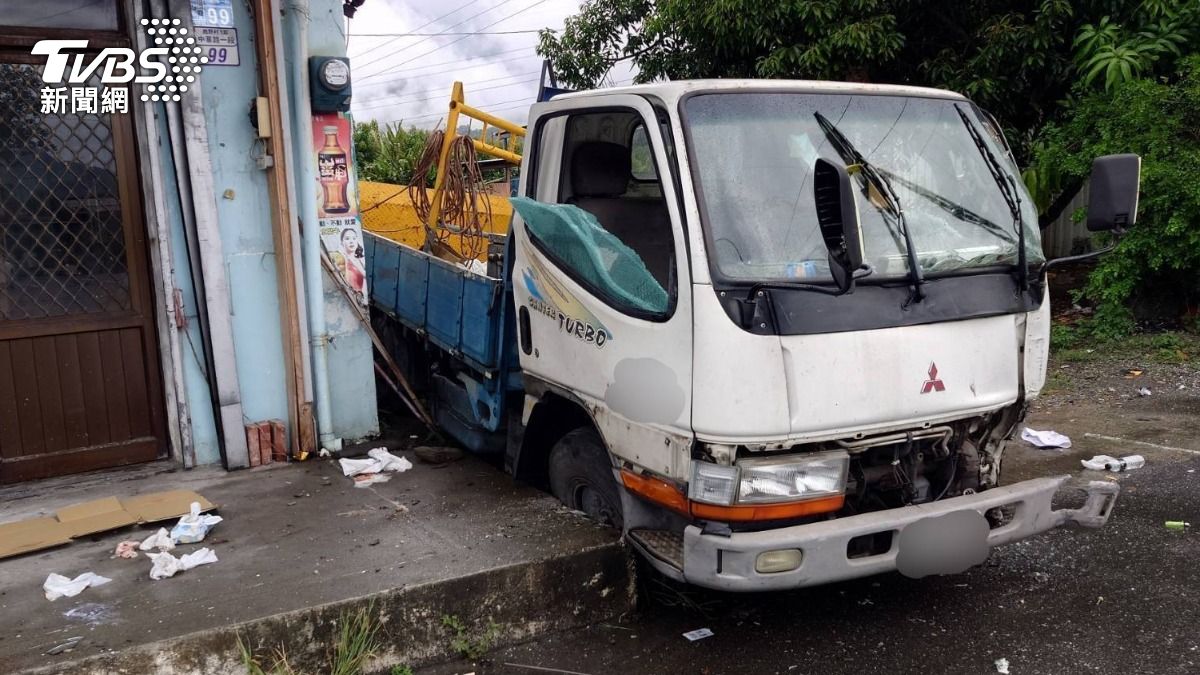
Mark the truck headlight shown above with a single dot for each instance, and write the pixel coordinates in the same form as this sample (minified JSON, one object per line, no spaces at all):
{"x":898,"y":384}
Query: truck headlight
{"x":771,"y":480}
{"x":821,"y":474}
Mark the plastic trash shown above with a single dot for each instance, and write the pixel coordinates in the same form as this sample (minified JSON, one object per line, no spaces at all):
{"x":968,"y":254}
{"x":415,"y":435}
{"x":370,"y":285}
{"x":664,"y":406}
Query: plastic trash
{"x":1144,"y":391}
{"x":1097,"y":463}
{"x":378,"y":460}
{"x":193,"y":527}
{"x":698,"y":634}
{"x":126,"y":549}
{"x":1002,"y":666}
{"x":57,"y":586}
{"x":64,"y":646}
{"x":1177,"y":525}
{"x":166,"y":565}
{"x":1106,"y":463}
{"x":1127,"y":463}
{"x":160,"y":540}
{"x":365,"y":479}
{"x":1045,"y":439}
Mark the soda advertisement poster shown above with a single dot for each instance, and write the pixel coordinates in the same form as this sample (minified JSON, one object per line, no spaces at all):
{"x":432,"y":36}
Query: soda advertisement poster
{"x":337,"y":199}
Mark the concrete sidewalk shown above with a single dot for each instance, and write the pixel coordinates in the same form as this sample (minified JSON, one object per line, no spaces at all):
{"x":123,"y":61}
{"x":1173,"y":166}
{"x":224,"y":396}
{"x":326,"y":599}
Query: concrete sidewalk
{"x":299,"y":546}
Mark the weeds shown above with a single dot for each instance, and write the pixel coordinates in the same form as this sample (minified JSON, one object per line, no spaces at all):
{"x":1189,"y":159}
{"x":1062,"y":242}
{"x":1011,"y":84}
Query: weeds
{"x":279,"y":666}
{"x":401,"y":670}
{"x":357,"y":641}
{"x":468,"y":647}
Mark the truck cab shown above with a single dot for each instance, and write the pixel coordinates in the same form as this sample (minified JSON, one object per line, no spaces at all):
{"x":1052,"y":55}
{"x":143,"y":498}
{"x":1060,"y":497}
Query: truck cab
{"x":778,"y":332}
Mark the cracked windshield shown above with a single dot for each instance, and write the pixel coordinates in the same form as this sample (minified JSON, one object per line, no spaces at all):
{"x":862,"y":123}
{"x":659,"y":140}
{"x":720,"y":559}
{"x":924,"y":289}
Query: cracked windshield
{"x":918,"y":152}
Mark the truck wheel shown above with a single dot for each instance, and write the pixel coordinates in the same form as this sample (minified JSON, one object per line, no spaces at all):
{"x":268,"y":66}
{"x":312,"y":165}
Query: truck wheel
{"x":581,"y":477}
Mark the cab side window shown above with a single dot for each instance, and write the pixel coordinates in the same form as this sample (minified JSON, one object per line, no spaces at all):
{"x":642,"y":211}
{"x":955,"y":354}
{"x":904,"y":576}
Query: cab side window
{"x":609,"y":171}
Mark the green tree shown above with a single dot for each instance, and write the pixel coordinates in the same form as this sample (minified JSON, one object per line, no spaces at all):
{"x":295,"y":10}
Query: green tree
{"x":1017,"y":59}
{"x":1158,"y":119}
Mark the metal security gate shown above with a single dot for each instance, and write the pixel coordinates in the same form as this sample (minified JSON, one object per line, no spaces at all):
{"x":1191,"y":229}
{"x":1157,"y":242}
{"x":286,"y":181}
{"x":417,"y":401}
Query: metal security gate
{"x":80,"y":387}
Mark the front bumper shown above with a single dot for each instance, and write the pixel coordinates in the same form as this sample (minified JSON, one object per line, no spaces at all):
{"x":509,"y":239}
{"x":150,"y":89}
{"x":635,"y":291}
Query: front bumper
{"x":728,"y":562}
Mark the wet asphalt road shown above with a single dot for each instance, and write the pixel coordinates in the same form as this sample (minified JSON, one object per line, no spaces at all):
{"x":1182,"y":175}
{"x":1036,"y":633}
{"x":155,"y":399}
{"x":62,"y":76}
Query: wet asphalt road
{"x":1124,"y":599}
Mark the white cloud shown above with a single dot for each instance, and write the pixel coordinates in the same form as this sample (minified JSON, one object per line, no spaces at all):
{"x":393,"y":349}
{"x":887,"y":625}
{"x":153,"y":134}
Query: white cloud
{"x":409,"y":78}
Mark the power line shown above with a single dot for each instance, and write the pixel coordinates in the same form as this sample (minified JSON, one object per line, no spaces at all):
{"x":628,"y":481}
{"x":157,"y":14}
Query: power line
{"x":427,"y":39}
{"x":453,"y":42}
{"x":375,"y":106}
{"x":491,"y":108}
{"x":476,"y":32}
{"x":461,"y":65}
{"x":427,"y":23}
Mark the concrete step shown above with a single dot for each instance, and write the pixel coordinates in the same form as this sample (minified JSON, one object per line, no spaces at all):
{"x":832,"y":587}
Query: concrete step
{"x":497,"y":607}
{"x":299,"y":547}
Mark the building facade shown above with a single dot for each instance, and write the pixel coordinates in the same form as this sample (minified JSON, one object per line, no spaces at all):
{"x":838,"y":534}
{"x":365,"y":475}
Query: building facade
{"x":178,"y":236}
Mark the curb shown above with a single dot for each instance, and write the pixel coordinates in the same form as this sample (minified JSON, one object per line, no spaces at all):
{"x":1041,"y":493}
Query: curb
{"x":512,"y":603}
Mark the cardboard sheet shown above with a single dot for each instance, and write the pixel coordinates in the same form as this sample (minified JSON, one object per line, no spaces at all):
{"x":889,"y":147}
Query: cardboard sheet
{"x":31,"y":535}
{"x":158,"y":506}
{"x":98,"y":515}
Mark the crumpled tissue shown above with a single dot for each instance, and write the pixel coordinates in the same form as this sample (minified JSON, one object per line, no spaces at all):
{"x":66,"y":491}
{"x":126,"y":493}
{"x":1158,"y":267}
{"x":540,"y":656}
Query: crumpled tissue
{"x":1045,"y":439}
{"x":57,"y":586}
{"x":166,"y":565}
{"x":380,"y":460}
{"x":160,"y":540}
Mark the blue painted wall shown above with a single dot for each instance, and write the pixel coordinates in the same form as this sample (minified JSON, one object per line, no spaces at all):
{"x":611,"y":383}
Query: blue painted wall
{"x":351,"y":374}
{"x":243,"y":208}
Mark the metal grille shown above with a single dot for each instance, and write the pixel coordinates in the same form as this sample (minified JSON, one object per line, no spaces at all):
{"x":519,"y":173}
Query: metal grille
{"x":62,"y":249}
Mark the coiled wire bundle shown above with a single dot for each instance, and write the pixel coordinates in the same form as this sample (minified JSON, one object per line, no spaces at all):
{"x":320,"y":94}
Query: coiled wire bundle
{"x":461,"y":214}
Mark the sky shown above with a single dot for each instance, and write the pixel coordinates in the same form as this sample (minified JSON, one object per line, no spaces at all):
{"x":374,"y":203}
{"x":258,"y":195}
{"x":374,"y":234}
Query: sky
{"x":408,"y":79}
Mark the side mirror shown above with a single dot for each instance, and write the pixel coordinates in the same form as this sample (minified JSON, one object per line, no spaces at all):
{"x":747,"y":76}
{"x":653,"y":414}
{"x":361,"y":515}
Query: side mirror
{"x":837,"y":216}
{"x":1113,"y":192}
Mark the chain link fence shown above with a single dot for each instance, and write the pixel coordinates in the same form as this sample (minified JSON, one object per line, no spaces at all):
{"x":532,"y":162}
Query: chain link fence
{"x":62,"y":243}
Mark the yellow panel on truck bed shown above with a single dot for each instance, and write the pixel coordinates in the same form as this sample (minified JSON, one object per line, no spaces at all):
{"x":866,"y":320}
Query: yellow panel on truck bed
{"x":387,"y":211}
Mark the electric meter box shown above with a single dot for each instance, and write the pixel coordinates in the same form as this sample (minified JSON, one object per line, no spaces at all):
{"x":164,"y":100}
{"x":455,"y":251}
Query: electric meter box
{"x":329,"y":83}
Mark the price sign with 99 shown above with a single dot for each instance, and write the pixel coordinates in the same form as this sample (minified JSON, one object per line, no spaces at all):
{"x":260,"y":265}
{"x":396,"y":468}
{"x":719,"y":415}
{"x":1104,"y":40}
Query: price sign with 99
{"x":212,"y":13}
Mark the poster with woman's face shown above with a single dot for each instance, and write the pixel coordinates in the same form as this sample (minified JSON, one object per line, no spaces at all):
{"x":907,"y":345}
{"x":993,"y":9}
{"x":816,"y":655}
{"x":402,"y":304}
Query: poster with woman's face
{"x":343,"y":239}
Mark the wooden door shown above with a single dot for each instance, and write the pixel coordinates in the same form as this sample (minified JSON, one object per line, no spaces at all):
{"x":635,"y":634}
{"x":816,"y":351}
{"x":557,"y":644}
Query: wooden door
{"x":80,"y":384}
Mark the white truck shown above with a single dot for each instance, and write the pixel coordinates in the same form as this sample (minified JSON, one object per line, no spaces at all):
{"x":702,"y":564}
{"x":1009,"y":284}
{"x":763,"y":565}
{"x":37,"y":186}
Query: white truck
{"x":778,"y":332}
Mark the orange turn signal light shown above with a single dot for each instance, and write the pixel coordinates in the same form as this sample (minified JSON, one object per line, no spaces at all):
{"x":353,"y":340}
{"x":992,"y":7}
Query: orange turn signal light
{"x":669,"y":496}
{"x":656,"y":490}
{"x":745,"y":513}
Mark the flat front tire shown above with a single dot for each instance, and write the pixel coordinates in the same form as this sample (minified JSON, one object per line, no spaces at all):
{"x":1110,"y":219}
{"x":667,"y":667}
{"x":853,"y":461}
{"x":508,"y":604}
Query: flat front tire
{"x":581,"y":477}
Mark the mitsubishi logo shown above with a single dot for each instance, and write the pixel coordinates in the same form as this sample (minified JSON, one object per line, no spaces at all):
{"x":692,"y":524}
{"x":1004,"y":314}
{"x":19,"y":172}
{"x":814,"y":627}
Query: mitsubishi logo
{"x":933,"y":383}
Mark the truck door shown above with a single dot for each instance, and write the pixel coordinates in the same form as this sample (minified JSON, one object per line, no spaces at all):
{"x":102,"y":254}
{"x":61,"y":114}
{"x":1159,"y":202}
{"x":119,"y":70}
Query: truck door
{"x":600,"y":276}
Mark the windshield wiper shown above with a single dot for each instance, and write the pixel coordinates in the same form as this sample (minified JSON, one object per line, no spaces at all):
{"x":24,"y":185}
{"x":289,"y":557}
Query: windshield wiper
{"x":955,"y":209}
{"x":870,"y":175}
{"x":1008,"y":189}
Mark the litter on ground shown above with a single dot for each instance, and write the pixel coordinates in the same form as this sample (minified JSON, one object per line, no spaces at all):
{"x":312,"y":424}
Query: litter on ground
{"x":698,"y":634}
{"x":1177,"y":525}
{"x":166,"y":565}
{"x":1144,"y":391}
{"x":126,"y":549}
{"x":371,"y":470}
{"x":1002,"y":666}
{"x":57,"y":586}
{"x":365,"y":479}
{"x":193,"y":527}
{"x":160,"y":540}
{"x":1045,"y":439}
{"x":65,"y":646}
{"x":1106,"y":463}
